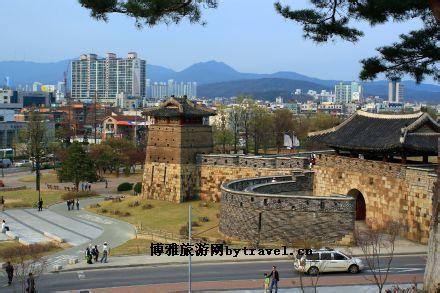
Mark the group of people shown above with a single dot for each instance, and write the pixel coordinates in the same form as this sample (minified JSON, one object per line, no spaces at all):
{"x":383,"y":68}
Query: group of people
{"x":271,"y":280}
{"x":92,"y":253}
{"x":71,"y":204}
{"x":30,"y":281}
{"x":86,"y":186}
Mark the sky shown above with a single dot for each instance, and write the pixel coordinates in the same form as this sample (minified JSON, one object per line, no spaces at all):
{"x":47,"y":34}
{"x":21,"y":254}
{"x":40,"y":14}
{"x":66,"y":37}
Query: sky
{"x":246,"y":34}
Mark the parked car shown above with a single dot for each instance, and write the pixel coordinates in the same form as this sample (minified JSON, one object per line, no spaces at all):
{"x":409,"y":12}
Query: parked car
{"x":327,"y":260}
{"x":5,"y":163}
{"x":22,"y":163}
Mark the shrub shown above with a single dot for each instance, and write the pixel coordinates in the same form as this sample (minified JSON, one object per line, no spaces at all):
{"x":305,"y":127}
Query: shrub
{"x":147,"y":206}
{"x":79,"y":194}
{"x":95,"y":206}
{"x":126,"y":214}
{"x":183,"y":231}
{"x":138,"y":187}
{"x":204,"y":204}
{"x":204,"y":219}
{"x":134,"y":204}
{"x":104,"y":211}
{"x":195,"y":224}
{"x":126,"y":186}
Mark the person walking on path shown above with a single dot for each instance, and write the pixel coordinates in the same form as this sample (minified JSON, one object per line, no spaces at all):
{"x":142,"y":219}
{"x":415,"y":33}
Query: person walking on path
{"x":105,"y":251}
{"x":106,"y":183}
{"x":77,"y":204}
{"x":30,"y":284}
{"x":275,"y":279}
{"x":10,"y":272}
{"x":68,"y":204}
{"x":40,"y":205}
{"x":89,"y":255}
{"x":266,"y":283}
{"x":95,"y":253}
{"x":82,"y":185}
{"x":90,"y":186}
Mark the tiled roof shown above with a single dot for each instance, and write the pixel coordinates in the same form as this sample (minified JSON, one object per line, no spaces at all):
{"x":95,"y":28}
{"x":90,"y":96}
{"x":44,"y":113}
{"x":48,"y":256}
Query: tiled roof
{"x":179,"y":107}
{"x":364,"y":131}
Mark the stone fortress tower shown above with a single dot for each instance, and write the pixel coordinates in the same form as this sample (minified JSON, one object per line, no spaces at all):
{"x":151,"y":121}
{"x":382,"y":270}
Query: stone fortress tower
{"x":180,"y":131}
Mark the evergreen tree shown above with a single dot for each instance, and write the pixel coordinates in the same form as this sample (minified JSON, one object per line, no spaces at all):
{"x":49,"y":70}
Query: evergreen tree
{"x":77,"y":166}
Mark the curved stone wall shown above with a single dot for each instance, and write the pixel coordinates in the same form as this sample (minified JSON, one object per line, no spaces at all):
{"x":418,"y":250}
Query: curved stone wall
{"x":286,"y":214}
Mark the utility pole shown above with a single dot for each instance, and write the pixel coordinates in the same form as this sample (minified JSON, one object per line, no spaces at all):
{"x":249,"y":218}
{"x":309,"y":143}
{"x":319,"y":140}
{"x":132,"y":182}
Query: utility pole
{"x":189,"y":239}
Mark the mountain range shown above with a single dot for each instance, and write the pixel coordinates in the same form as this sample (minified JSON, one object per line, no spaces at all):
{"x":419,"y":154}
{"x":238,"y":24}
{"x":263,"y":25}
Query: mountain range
{"x":219,"y":79}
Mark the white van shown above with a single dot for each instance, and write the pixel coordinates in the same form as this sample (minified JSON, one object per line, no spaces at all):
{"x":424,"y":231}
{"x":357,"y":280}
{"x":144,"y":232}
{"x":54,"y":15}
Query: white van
{"x":327,"y":260}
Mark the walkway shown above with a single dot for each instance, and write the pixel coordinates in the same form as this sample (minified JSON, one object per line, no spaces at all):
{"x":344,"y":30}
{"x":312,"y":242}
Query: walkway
{"x":113,"y":231}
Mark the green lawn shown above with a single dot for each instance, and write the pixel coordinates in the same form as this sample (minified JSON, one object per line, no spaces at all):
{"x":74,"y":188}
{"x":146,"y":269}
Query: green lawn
{"x":165,"y":216}
{"x":50,"y":177}
{"x":29,"y":197}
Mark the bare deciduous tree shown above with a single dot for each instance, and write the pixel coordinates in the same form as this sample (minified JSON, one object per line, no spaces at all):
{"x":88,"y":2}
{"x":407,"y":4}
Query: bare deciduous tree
{"x":377,"y":245}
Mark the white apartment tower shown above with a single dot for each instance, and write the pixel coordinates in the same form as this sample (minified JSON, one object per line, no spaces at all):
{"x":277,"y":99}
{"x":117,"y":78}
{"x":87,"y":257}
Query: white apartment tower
{"x":107,"y":77}
{"x":395,"y":91}
{"x":347,"y":93}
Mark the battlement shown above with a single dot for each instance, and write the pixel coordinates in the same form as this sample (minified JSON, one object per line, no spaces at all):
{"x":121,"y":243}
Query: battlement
{"x":300,"y":162}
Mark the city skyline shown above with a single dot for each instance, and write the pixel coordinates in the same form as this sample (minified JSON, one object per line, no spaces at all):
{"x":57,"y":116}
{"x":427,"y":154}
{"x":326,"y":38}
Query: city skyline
{"x":230,"y":36}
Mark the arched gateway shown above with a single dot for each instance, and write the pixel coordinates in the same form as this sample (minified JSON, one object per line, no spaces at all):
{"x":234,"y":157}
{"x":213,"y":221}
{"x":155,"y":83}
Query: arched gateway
{"x":361,"y":210}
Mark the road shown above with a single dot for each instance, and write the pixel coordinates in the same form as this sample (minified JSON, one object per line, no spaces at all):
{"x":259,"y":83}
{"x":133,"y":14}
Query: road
{"x":105,"y":278}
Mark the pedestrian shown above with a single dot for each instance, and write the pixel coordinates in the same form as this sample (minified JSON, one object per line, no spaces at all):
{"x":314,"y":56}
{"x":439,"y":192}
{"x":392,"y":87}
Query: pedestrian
{"x":10,"y":272}
{"x":77,"y":204}
{"x":2,"y":203}
{"x":30,"y":284}
{"x":95,"y":253}
{"x":68,"y":204}
{"x":88,"y":255}
{"x":4,"y":227}
{"x":275,"y":279}
{"x":90,"y":186}
{"x":82,"y":185}
{"x":40,"y":205}
{"x":105,"y":251}
{"x":106,"y":183}
{"x":266,"y":283}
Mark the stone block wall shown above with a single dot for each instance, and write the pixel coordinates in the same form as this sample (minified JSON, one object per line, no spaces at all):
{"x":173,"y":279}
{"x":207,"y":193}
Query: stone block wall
{"x":392,"y":192}
{"x":170,"y":182}
{"x":285,"y":218}
{"x":212,"y":178}
{"x":214,"y":170}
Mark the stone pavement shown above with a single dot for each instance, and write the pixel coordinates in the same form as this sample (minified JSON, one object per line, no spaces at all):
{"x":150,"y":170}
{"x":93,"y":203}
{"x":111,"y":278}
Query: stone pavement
{"x":114,"y":232}
{"x":31,"y":226}
{"x":328,"y":284}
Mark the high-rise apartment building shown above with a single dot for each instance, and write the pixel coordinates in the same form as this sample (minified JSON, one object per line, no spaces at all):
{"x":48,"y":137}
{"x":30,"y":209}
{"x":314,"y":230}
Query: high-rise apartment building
{"x":347,"y":93}
{"x":161,"y":90}
{"x":395,"y":91}
{"x":107,"y":77}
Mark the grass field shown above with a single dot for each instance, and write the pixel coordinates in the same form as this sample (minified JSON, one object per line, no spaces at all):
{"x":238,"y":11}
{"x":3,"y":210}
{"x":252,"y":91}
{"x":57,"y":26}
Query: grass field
{"x":132,"y":247}
{"x":29,"y":197}
{"x":165,"y":216}
{"x":50,"y":177}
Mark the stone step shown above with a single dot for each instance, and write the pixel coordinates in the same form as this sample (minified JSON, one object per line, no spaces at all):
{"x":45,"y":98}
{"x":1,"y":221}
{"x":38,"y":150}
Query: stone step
{"x":78,"y":227}
{"x":50,"y":229}
{"x":26,"y":234}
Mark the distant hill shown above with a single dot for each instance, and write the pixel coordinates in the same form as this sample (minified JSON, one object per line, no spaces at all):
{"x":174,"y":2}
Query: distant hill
{"x":209,"y":75}
{"x":266,"y":88}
